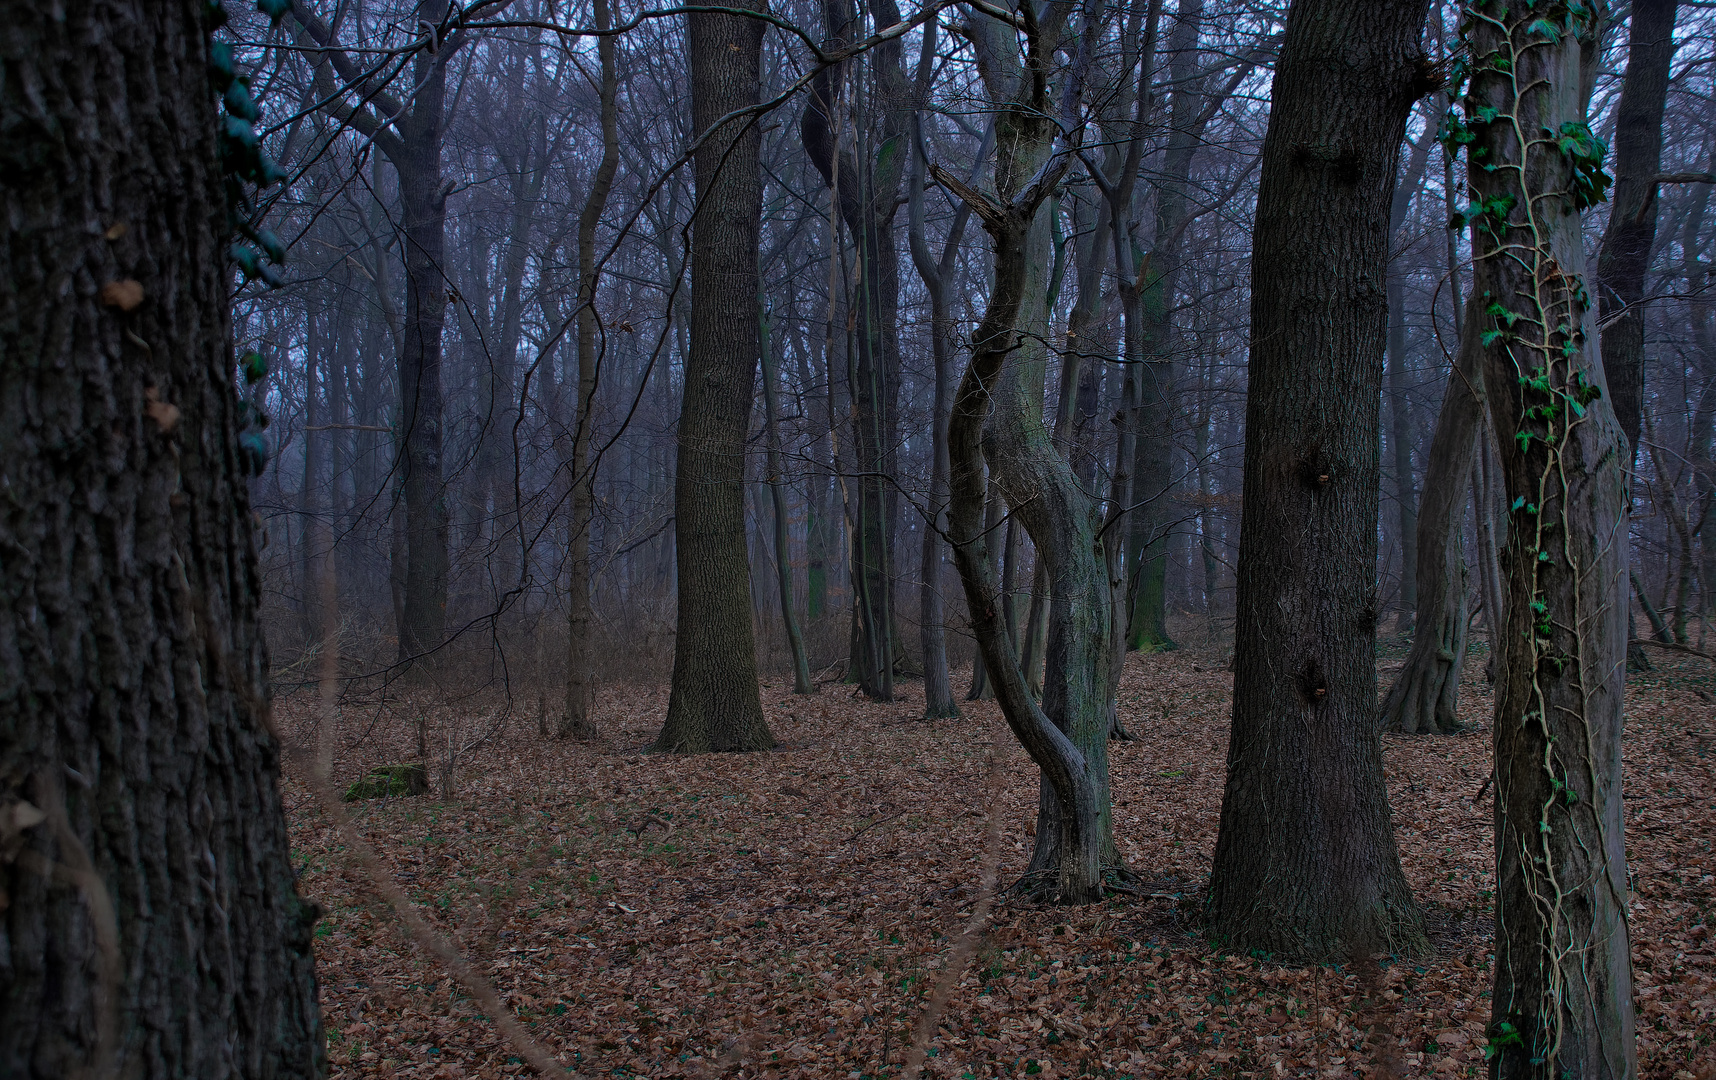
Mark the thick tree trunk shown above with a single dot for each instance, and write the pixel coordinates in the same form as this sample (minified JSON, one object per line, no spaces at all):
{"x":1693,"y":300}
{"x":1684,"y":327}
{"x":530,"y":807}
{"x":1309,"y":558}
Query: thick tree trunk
{"x":1425,"y":694}
{"x":580,"y":619}
{"x":151,"y":925}
{"x":1305,"y":863}
{"x":1562,"y":1001}
{"x":713,"y":703}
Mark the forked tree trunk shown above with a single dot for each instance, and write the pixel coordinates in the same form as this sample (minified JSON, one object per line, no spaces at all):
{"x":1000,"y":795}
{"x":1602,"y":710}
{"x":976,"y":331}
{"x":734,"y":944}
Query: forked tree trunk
{"x":152,"y":927}
{"x":1425,"y":694}
{"x":580,"y":619}
{"x":713,"y":703}
{"x":1562,"y":1004}
{"x":1306,"y":864}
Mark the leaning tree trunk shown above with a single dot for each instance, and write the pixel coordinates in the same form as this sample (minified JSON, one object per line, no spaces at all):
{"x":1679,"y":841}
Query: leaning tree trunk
{"x":151,"y":924}
{"x":1562,"y":1001}
{"x":1424,"y":695}
{"x":713,"y":703}
{"x":1306,"y":864}
{"x":580,"y":618}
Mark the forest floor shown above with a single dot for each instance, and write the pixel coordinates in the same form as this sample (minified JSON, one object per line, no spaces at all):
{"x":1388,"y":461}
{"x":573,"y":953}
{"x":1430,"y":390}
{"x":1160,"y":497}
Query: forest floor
{"x":788,"y":913}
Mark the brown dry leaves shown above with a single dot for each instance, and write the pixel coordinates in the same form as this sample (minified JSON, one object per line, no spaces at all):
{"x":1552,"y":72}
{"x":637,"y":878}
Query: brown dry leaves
{"x":786,"y":914}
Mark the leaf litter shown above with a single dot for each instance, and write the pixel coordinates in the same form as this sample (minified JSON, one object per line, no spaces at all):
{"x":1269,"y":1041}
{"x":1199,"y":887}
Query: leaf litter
{"x":789,"y":913}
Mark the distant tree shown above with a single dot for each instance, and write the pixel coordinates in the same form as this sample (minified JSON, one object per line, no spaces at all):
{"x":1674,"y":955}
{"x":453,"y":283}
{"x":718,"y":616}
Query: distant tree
{"x":149,"y":921}
{"x":1305,"y":863}
{"x":410,"y":130}
{"x":714,"y":703}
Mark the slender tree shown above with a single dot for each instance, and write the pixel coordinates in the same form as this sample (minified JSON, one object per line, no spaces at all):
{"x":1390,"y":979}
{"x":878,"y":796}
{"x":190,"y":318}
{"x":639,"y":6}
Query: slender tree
{"x":151,"y":925}
{"x":1306,"y":864}
{"x":1562,"y":1001}
{"x":714,"y":702}
{"x":579,"y":617}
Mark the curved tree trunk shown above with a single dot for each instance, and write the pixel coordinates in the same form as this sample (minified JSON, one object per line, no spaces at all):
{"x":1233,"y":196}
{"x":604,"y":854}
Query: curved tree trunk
{"x":1306,"y":864}
{"x":1067,"y":735}
{"x":1423,"y":698}
{"x":714,"y":702}
{"x":151,"y":924}
{"x":1562,"y":999}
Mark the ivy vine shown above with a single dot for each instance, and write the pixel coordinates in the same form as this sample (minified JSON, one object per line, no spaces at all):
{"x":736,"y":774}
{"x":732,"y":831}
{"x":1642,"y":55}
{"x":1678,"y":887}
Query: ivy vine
{"x":245,"y":167}
{"x":1541,"y":328}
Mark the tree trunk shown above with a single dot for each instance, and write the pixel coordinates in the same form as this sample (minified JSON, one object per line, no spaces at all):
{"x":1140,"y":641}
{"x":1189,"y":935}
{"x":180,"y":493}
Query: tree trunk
{"x":1562,"y":1000}
{"x":868,"y":189}
{"x":932,"y":616}
{"x":1424,"y":696}
{"x":1399,"y":406}
{"x":423,"y":221}
{"x":580,"y":618}
{"x":1067,"y":735}
{"x":151,"y":927}
{"x":1306,"y":864}
{"x":713,"y":703}
{"x":1624,"y":258}
{"x":801,"y":683}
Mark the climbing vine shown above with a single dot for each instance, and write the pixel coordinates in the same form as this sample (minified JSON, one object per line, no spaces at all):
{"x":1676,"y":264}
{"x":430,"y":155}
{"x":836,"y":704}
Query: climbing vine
{"x":245,"y":167}
{"x":1536,"y":177}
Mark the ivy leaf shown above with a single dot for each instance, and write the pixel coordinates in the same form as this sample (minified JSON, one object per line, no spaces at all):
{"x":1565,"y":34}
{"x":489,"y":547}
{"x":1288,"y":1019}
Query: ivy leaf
{"x":271,"y":245}
{"x":221,"y":63}
{"x":246,"y":258}
{"x":239,"y":131}
{"x":252,"y":452}
{"x":239,"y":102}
{"x":274,"y":9}
{"x":254,"y":366}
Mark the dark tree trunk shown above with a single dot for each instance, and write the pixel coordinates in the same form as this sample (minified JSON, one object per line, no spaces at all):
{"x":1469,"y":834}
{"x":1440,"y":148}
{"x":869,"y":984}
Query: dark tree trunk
{"x":1625,"y":255}
{"x":1424,"y":695}
{"x":423,"y":223}
{"x":1305,"y":863}
{"x":714,"y":702}
{"x":1399,"y":405}
{"x":1624,"y":258}
{"x":1562,"y":1000}
{"x":151,"y":926}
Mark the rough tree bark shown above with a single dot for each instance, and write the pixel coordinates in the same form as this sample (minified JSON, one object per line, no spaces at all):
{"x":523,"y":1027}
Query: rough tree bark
{"x":713,"y":703}
{"x":579,"y":617}
{"x":1424,"y":696}
{"x":1306,"y":864}
{"x":151,"y":924}
{"x":1562,"y":999}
